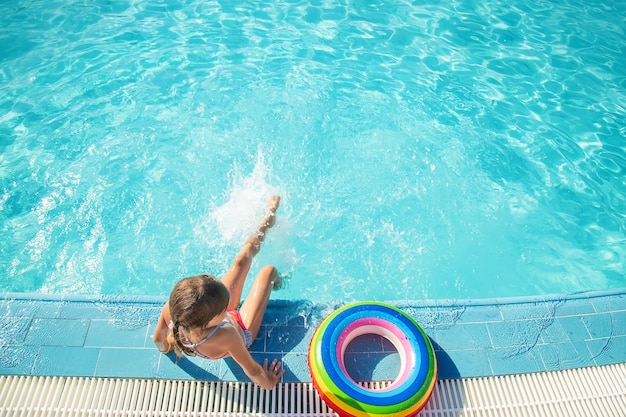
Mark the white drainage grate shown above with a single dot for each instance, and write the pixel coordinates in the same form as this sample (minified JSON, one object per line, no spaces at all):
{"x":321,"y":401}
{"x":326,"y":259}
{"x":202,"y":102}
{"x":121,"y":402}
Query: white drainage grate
{"x":597,"y":391}
{"x":65,"y":396}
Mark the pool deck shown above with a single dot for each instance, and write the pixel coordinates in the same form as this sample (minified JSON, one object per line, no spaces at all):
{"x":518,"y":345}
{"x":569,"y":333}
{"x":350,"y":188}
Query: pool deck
{"x":110,"y":337}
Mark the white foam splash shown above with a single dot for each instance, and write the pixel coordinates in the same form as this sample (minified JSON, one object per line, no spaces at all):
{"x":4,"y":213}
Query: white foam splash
{"x":246,"y":205}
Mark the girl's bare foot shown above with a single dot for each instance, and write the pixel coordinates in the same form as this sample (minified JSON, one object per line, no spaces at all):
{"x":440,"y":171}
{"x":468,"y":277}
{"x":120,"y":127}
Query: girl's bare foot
{"x":272,"y":205}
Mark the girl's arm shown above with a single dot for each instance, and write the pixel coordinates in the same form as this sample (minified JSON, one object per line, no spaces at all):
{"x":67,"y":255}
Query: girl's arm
{"x":162,"y":337}
{"x":266,"y":376}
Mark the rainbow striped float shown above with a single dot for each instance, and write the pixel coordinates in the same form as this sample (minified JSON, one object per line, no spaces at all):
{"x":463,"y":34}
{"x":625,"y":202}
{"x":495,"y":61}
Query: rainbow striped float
{"x":406,"y":395}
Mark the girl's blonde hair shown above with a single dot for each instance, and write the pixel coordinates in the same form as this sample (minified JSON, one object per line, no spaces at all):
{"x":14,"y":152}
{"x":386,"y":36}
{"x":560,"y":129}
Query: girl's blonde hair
{"x":193,"y":303}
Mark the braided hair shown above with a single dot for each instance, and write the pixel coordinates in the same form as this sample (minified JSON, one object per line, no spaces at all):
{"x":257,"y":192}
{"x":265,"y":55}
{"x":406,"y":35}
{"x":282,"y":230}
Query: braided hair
{"x":193,"y":302}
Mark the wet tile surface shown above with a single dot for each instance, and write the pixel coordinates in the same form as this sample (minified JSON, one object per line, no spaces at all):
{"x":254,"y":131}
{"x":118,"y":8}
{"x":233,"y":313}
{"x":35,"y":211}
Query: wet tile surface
{"x":111,"y":337}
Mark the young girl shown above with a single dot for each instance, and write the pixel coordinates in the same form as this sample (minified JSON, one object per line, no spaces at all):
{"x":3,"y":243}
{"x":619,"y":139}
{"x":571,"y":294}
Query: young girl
{"x":201,"y":316}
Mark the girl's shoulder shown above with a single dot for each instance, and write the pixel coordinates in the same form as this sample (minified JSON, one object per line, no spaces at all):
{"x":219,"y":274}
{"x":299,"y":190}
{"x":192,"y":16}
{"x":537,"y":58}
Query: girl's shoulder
{"x":219,"y":345}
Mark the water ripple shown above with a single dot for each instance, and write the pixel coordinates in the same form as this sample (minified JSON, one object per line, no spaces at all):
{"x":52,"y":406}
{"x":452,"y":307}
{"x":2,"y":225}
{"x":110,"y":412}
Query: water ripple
{"x":454,"y":146}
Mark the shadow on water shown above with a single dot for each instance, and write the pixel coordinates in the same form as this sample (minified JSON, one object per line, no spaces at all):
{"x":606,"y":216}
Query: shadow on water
{"x":447,"y":368}
{"x":449,"y":398}
{"x":192,"y":369}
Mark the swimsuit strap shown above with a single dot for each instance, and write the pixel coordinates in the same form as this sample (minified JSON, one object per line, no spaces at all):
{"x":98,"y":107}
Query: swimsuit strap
{"x":205,"y":338}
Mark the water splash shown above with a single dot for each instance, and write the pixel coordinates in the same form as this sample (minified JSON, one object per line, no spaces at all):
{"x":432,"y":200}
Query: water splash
{"x":240,"y":215}
{"x":443,"y":316}
{"x":246,"y":204}
{"x":12,"y":331}
{"x":124,"y":314}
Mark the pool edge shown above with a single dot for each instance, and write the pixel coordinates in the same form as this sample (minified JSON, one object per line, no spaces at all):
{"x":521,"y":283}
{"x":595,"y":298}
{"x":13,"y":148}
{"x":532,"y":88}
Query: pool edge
{"x":110,"y":335}
{"x":155,"y":299}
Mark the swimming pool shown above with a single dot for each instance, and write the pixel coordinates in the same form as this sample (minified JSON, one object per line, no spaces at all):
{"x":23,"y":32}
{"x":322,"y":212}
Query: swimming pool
{"x":423,"y":150}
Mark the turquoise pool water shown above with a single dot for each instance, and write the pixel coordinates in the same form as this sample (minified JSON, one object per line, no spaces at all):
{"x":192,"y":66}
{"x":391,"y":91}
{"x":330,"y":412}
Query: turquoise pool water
{"x":423,"y":150}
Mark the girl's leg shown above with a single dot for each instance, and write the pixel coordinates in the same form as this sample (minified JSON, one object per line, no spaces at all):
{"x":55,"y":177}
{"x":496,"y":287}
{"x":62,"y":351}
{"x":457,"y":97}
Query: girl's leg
{"x":236,"y":276}
{"x":253,"y":308}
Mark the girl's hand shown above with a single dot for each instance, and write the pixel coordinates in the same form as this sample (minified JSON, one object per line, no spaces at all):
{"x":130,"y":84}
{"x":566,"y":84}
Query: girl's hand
{"x":273,"y":371}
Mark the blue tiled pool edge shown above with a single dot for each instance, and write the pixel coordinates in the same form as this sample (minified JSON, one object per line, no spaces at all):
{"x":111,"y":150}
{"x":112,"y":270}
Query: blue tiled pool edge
{"x":109,"y":336}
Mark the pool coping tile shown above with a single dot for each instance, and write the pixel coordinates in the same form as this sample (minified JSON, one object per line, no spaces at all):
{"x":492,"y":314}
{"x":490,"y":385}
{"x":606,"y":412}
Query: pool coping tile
{"x":57,"y":332}
{"x":102,"y":334}
{"x":66,"y":361}
{"x":126,"y":363}
{"x":607,"y":351}
{"x":568,"y":328}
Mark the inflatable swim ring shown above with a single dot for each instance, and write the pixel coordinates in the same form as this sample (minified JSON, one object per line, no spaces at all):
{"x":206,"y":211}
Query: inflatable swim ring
{"x":406,"y":395}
